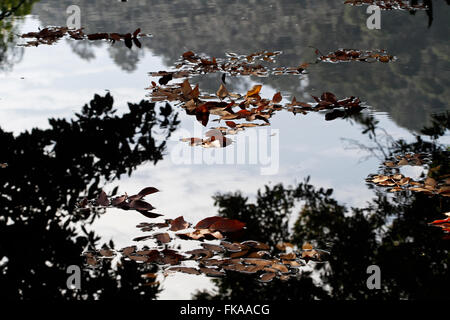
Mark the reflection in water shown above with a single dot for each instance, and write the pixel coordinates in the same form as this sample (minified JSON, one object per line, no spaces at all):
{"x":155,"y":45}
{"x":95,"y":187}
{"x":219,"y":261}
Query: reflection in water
{"x":410,"y":90}
{"x":44,"y":172}
{"x":391,"y":232}
{"x":47,"y":172}
{"x":10,"y":11}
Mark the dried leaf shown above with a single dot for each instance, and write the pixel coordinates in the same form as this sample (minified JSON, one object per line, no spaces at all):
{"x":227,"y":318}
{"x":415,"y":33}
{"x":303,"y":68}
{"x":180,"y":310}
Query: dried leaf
{"x":179,"y":224}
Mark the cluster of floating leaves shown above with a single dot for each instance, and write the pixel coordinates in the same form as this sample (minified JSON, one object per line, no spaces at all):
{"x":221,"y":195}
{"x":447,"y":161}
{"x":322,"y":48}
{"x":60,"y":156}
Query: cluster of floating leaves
{"x":444,"y":224}
{"x":51,"y":35}
{"x":211,"y":259}
{"x":346,"y":55}
{"x":233,"y":64}
{"x":124,"y":202}
{"x":408,"y":159}
{"x":3,"y":165}
{"x":328,"y":101}
{"x":250,"y":107}
{"x":398,"y":182}
{"x":390,"y":4}
{"x":211,"y":228}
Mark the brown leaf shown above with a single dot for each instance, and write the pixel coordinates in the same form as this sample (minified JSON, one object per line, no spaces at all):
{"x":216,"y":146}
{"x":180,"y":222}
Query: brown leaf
{"x":188,"y":54}
{"x":118,"y":201}
{"x":163,"y":237}
{"x":140,"y":205}
{"x":239,"y":254}
{"x":103,"y":199}
{"x":277,"y":98}
{"x":207,"y":222}
{"x":227,"y":225}
{"x":213,"y":247}
{"x":128,"y":250}
{"x":329,"y":97}
{"x":212,"y":272}
{"x":184,"y":270}
{"x":254,"y":91}
{"x":222,"y":92}
{"x":267,"y":277}
{"x":200,"y":254}
{"x":430,"y":182}
{"x":233,"y":247}
{"x":255,"y":244}
{"x":98,"y":36}
{"x":231,"y":124}
{"x":288,"y":256}
{"x":186,"y":88}
{"x":307,"y":246}
{"x":280,"y":267}
{"x":136,"y":32}
{"x":179,"y":224}
{"x":146,"y":191}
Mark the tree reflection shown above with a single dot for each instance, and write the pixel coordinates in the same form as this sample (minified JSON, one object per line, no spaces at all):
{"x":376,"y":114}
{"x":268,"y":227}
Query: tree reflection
{"x":48,"y":170}
{"x":392,"y":232}
{"x":9,"y":11}
{"x":410,"y":89}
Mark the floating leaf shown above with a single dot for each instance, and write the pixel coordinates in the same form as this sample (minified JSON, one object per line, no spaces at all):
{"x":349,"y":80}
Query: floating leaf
{"x":163,"y":237}
{"x":267,"y":277}
{"x":184,"y":270}
{"x":140,"y":205}
{"x":146,"y":191}
{"x":207,"y":222}
{"x":222,"y":92}
{"x":277,"y":98}
{"x":227,"y":225}
{"x":179,"y":224}
{"x":103,"y":199}
{"x":254,"y":91}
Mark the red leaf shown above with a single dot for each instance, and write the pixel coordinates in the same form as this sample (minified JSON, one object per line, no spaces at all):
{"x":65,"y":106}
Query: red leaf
{"x":231,"y":124}
{"x":227,"y":225}
{"x":277,"y":98}
{"x":441,"y":221}
{"x":136,"y":33}
{"x":146,"y":191}
{"x":329,"y":97}
{"x":140,"y":205}
{"x":206,"y":223}
{"x":188,"y":54}
{"x":103,"y":199}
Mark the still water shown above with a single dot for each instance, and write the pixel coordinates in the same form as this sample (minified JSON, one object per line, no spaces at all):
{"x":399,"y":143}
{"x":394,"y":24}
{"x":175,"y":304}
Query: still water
{"x":52,"y":164}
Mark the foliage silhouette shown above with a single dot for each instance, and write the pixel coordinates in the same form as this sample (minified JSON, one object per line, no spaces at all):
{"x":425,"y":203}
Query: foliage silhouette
{"x":48,"y":170}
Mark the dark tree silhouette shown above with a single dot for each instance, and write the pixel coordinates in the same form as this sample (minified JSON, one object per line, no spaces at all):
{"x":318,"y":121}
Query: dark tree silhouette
{"x":48,"y":171}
